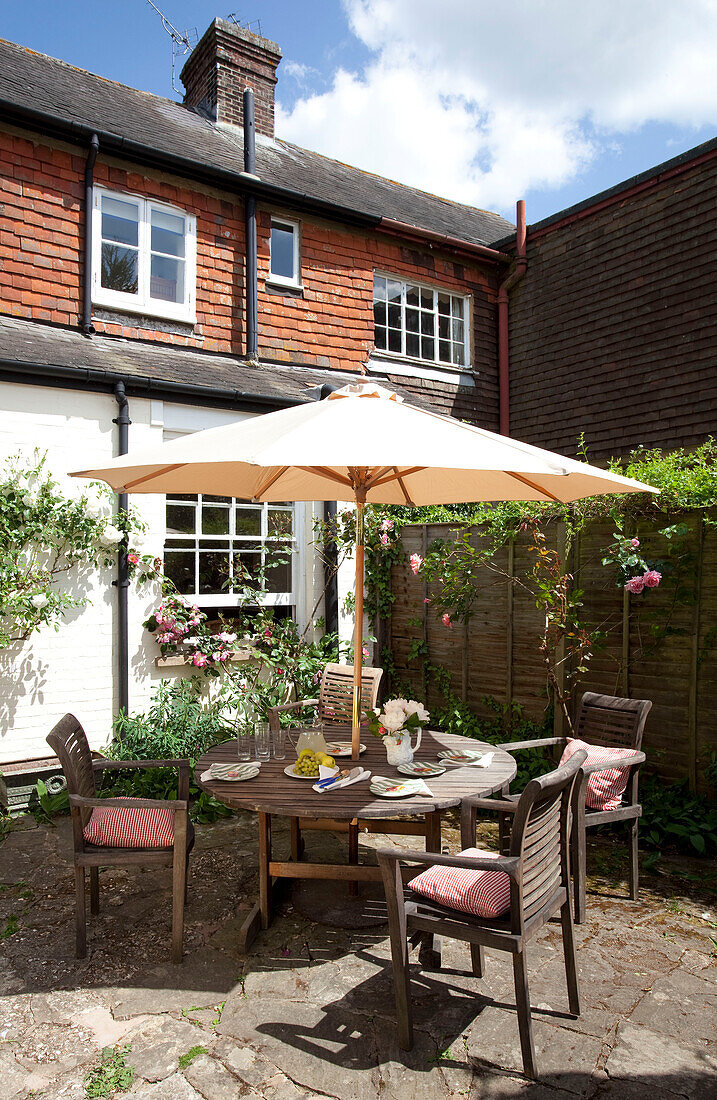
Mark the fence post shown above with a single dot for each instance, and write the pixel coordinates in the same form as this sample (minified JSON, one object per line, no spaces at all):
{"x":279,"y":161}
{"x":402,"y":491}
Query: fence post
{"x":694,"y":663}
{"x":424,"y":614}
{"x":625,"y":659}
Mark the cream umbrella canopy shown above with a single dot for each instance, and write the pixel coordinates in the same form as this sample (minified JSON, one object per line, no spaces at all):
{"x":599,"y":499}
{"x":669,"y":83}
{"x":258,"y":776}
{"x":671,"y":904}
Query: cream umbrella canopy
{"x":362,"y":444}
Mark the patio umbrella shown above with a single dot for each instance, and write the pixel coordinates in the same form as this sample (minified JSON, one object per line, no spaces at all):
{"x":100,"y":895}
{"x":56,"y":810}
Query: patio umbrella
{"x":361,"y":444}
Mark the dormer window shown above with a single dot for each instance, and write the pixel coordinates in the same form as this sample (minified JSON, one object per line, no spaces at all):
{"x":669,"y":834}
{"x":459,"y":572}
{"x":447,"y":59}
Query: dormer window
{"x":284,"y":263}
{"x":143,"y":256}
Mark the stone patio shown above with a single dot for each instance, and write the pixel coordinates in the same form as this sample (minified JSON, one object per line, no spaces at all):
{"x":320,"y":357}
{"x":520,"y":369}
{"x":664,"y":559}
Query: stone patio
{"x":309,"y":1011}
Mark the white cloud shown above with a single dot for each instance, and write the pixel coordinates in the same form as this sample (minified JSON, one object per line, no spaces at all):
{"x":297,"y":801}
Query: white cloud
{"x":481,"y":102}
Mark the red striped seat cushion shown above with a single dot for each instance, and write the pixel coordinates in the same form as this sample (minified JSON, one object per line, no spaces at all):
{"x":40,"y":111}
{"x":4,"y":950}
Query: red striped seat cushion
{"x":118,"y":827}
{"x":604,"y":789}
{"x":481,"y":893}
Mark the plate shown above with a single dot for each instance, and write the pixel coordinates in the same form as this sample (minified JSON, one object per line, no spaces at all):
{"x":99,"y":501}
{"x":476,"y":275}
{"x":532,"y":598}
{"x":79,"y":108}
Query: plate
{"x":387,"y":788}
{"x":342,"y":748}
{"x":232,"y":773}
{"x":421,"y":768}
{"x":296,"y":775}
{"x":466,"y":756}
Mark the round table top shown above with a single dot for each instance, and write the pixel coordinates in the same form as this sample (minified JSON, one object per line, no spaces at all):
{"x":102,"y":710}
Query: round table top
{"x":274,"y":792}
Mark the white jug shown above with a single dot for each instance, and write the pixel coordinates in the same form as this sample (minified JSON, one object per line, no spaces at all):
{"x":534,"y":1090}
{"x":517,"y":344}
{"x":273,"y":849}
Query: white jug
{"x":399,"y":749}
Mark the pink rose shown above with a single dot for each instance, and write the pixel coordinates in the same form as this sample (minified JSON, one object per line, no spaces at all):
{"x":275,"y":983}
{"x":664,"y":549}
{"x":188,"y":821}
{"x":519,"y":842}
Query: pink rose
{"x":446,"y":620}
{"x":384,"y":539}
{"x":267,"y":633}
{"x":634,"y":543}
{"x":387,"y":524}
{"x":416,"y":562}
{"x":651,"y":578}
{"x":133,"y":558}
{"x":365,"y":651}
{"x":426,"y":599}
{"x":200,"y":660}
{"x":635,"y":585}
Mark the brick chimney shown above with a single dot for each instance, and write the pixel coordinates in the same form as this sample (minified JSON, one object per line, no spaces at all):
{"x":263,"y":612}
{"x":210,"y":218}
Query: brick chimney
{"x":227,"y":60}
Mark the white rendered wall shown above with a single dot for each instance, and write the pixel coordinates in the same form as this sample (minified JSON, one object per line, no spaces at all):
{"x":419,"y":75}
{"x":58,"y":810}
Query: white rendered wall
{"x":74,"y":669}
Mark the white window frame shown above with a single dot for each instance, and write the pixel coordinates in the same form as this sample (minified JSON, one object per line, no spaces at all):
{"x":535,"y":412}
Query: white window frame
{"x":435,"y":291}
{"x":141,"y":302}
{"x":226,"y":598}
{"x":283,"y":280}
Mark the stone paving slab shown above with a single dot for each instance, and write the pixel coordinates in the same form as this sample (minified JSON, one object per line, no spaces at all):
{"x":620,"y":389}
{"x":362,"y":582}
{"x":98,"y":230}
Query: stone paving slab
{"x":309,"y":1012}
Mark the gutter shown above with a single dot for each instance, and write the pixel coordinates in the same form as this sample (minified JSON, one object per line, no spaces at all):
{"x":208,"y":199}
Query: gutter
{"x":390,"y":225}
{"x":87,"y":327}
{"x":513,"y":278}
{"x":90,"y":378}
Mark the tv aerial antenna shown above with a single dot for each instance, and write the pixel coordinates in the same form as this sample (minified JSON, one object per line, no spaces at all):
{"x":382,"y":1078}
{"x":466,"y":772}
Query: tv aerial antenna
{"x":183,"y":42}
{"x":253,"y":25}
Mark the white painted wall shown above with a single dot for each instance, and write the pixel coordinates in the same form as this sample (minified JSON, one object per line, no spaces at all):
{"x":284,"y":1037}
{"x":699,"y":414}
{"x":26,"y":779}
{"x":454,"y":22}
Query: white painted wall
{"x":74,"y":669}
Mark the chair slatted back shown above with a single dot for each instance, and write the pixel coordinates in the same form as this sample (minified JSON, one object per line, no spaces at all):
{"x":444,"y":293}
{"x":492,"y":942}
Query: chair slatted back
{"x":540,"y":834}
{"x":336,"y":693}
{"x":68,"y":741}
{"x":610,"y":721}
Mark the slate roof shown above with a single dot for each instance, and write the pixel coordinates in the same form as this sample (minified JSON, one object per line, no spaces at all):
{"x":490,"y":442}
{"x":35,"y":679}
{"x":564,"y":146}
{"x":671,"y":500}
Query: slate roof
{"x":35,"y":85}
{"x":149,"y":366}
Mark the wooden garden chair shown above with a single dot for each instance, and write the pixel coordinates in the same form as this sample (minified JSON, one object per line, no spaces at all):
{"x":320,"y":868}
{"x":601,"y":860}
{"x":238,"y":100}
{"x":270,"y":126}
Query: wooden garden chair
{"x":491,"y":900}
{"x":335,"y":712}
{"x":125,"y":831}
{"x":607,"y":789}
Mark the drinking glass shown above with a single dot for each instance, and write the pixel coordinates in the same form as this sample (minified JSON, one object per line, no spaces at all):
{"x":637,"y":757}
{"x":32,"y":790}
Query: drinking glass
{"x":244,"y":743}
{"x":279,"y":739}
{"x":262,"y":739}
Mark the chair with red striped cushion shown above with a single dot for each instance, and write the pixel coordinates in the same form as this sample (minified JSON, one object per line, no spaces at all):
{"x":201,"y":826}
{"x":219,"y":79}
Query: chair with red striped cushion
{"x":121,"y":831}
{"x":611,"y":730}
{"x":491,"y":900}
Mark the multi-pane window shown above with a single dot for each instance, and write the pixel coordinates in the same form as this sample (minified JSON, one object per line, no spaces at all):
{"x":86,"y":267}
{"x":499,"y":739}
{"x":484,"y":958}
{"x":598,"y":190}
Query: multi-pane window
{"x":144,"y":255}
{"x":213,"y":544}
{"x":421,"y":322}
{"x":284,"y":266}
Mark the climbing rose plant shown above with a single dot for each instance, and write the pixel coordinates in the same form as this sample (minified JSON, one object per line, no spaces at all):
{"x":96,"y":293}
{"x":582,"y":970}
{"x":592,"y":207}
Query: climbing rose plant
{"x":45,"y":536}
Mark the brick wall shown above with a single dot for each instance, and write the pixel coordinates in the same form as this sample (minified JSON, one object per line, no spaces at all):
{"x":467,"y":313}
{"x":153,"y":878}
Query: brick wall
{"x":42,"y":241}
{"x":613,"y":329}
{"x":329,"y":325}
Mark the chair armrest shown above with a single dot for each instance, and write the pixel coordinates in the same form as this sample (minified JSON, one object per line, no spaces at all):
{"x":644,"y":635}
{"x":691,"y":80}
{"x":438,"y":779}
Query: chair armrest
{"x":274,"y":712}
{"x":616,"y":764}
{"x":128,"y":803}
{"x":509,"y":864}
{"x":535,"y":743}
{"x":504,"y":805}
{"x":119,"y":765}
{"x":296,"y":705}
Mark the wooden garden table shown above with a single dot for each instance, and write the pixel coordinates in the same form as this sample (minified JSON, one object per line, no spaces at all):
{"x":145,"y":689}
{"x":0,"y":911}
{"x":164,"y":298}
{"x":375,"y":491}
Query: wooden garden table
{"x":272,"y":793}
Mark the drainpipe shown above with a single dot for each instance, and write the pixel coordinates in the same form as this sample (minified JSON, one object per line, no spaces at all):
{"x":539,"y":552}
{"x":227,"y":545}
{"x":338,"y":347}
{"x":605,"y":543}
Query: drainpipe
{"x":123,"y":422}
{"x":331,"y":580}
{"x":516,"y":274}
{"x":87,"y":327}
{"x":252,"y":345}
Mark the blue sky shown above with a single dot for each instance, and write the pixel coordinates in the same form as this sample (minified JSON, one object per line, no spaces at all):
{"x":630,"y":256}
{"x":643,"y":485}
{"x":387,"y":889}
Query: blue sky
{"x":475,"y":101}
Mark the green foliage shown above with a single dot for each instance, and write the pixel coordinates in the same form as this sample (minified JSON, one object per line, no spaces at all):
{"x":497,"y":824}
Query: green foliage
{"x":44,"y":806}
{"x":44,"y":535}
{"x":179,"y":724}
{"x":11,"y":927}
{"x":672,"y":816}
{"x":187,"y":1059}
{"x":112,"y":1075}
{"x":686,"y":479}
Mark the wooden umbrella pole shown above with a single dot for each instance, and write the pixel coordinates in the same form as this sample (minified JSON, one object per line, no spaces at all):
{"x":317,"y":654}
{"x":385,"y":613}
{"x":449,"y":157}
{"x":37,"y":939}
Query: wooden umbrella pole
{"x":358,"y":627}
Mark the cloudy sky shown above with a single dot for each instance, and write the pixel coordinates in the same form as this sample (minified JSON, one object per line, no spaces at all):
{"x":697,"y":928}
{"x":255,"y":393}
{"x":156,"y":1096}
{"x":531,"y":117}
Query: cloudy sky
{"x":550,"y":100}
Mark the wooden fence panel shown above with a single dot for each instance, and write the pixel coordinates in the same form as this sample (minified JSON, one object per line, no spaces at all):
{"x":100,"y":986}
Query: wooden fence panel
{"x":654,"y":647}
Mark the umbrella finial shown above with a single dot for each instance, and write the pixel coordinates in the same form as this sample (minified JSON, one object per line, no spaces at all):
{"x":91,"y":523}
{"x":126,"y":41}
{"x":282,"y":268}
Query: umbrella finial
{"x":365,"y":389}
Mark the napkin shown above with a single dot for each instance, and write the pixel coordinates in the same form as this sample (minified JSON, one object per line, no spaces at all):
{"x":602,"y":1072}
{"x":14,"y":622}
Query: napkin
{"x":217,"y":771}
